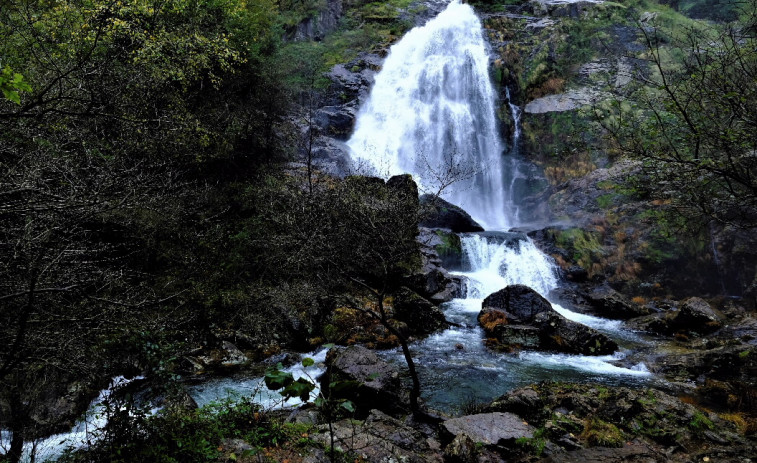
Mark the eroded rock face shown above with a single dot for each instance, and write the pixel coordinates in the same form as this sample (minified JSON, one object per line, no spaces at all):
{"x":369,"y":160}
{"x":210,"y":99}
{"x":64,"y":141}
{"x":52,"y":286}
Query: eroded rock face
{"x":324,"y":21}
{"x":518,"y":317}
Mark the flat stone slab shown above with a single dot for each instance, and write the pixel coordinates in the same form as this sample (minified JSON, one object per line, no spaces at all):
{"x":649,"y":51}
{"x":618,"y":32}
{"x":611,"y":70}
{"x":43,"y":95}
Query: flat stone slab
{"x":490,"y":428}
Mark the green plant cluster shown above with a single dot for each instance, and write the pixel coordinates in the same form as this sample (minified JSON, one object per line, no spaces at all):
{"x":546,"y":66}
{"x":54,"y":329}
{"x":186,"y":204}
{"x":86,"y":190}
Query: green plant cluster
{"x":176,"y":435}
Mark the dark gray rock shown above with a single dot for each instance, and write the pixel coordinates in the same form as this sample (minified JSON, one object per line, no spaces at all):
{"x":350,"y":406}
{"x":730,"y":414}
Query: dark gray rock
{"x":380,"y":438}
{"x":696,"y":315}
{"x":609,"y":303}
{"x":335,"y":121}
{"x":517,"y":316}
{"x":519,"y":302}
{"x":421,"y":316}
{"x":374,"y":382}
{"x":495,"y":428}
{"x":316,"y":27}
{"x":438,"y":213}
{"x":432,"y":280}
{"x":462,"y":449}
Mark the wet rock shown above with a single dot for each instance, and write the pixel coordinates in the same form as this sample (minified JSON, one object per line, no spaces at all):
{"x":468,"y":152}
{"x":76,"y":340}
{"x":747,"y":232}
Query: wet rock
{"x":438,"y":213}
{"x":335,"y":121}
{"x":727,"y":363}
{"x":432,"y":280}
{"x":696,"y":315}
{"x":493,"y":428}
{"x":443,"y":245}
{"x":609,"y":303}
{"x":374,"y":383}
{"x":519,"y":302}
{"x":421,"y":316}
{"x":518,"y":316}
{"x":658,"y":323}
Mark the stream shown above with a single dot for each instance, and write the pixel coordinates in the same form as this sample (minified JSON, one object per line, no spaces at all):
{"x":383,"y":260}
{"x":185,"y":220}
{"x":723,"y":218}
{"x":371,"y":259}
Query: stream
{"x":434,"y":96}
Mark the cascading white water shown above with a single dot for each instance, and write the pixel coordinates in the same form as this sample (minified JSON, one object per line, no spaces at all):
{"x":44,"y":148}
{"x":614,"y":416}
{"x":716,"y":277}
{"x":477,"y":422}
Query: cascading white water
{"x":431,"y":113}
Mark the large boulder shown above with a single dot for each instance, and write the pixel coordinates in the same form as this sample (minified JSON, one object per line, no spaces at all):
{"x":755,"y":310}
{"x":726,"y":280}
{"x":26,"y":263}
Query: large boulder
{"x":379,"y":438}
{"x":494,"y":428}
{"x":421,"y":316}
{"x":517,"y":316}
{"x":364,"y":378}
{"x":696,"y":315}
{"x":609,"y":303}
{"x":438,"y":213}
{"x":519,"y":302}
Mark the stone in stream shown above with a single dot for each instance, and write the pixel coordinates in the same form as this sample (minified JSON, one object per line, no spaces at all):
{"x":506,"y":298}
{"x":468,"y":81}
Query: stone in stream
{"x":365,"y":379}
{"x":518,"y":316}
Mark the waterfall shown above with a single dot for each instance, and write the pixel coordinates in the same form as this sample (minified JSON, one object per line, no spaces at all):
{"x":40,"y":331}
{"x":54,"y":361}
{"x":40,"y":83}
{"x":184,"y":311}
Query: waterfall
{"x":431,"y":113}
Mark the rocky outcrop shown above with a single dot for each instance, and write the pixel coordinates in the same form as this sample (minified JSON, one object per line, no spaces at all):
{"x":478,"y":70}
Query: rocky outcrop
{"x":568,"y":101}
{"x":381,"y":438}
{"x":438,"y":213}
{"x":585,"y":422}
{"x":316,"y":27}
{"x":421,"y":316}
{"x":364,"y":378}
{"x":609,"y":303}
{"x":518,"y":317}
{"x":696,"y":315}
{"x":494,"y":428}
{"x":224,"y":357}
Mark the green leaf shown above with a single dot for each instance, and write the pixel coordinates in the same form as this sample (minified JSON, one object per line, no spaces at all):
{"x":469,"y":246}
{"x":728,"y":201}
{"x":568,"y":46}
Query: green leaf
{"x":276,"y":379}
{"x":308,"y":362}
{"x":300,"y":388}
{"x":348,"y":405}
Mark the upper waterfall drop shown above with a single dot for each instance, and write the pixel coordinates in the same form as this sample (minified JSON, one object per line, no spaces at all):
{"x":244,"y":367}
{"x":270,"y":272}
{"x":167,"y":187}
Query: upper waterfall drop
{"x":431,"y":113}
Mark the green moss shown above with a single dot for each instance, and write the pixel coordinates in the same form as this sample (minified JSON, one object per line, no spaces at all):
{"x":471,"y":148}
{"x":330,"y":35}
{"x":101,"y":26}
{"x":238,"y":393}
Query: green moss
{"x":534,"y":444}
{"x":606,"y":201}
{"x":584,"y":246}
{"x":600,"y":433}
{"x":700,"y":423}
